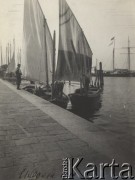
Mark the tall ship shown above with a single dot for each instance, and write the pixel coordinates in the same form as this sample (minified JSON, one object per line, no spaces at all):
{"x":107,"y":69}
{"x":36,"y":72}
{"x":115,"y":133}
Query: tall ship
{"x":121,"y":72}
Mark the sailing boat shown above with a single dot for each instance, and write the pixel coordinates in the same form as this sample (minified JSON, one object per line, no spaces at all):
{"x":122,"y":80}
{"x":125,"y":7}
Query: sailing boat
{"x":38,"y":51}
{"x":74,"y":56}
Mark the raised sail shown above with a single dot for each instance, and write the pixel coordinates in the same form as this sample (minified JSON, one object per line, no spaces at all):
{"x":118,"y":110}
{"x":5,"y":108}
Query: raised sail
{"x":37,"y":44}
{"x":74,"y":55}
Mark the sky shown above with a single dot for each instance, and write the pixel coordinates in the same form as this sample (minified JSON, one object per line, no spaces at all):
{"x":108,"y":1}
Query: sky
{"x":100,"y":20}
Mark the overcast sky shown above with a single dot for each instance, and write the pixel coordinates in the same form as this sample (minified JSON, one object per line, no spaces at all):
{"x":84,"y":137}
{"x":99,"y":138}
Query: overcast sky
{"x":100,"y":20}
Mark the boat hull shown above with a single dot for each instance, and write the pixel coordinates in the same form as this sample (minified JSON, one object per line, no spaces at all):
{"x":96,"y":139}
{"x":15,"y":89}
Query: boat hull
{"x":84,"y":101}
{"x":61,"y":101}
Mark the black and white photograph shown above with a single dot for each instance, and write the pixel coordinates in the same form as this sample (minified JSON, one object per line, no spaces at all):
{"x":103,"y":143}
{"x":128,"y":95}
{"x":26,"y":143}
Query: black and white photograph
{"x":67,"y":89}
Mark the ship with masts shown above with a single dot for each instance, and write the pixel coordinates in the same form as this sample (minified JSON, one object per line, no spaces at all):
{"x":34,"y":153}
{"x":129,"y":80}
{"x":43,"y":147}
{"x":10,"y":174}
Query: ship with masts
{"x":121,"y":72}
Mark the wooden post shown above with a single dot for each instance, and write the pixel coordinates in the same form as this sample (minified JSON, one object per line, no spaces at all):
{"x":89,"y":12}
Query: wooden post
{"x":101,"y":75}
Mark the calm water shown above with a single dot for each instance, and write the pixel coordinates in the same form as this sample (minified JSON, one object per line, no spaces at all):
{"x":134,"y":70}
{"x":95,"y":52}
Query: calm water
{"x":116,"y":106}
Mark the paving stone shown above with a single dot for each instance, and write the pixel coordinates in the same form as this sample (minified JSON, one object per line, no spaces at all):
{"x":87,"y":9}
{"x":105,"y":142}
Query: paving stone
{"x":18,"y":150}
{"x":24,"y":141}
{"x":27,"y":159}
{"x":19,"y":136}
{"x":47,"y":138}
{"x":7,"y":143}
{"x":2,"y":138}
{"x":38,"y":134}
{"x":65,"y":137}
{"x":57,"y":155}
{"x":56,"y":132}
{"x":45,"y":147}
{"x":2,"y":133}
{"x":6,"y":162}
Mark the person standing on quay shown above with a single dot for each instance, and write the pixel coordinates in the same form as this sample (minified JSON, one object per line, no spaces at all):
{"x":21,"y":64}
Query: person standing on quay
{"x":18,"y":76}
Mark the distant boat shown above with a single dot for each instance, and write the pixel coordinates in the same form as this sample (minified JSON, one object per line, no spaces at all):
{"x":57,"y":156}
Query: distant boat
{"x":121,"y":72}
{"x":74,"y":57}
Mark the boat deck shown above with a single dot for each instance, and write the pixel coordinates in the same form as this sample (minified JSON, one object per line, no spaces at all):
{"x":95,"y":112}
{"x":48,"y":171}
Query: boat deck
{"x":36,"y":135}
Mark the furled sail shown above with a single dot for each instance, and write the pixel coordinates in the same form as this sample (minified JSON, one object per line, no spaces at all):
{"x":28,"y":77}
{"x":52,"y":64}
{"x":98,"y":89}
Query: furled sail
{"x":37,"y":44}
{"x":11,"y":66}
{"x":74,"y":55}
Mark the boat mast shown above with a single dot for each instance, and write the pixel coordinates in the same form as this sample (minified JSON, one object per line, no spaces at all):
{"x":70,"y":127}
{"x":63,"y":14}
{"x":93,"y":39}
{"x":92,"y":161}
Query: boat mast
{"x":129,"y":53}
{"x":14,"y":46}
{"x":46,"y":62}
{"x":10,"y":52}
{"x":6,"y":54}
{"x":20,"y":56}
{"x":114,"y":56}
{"x":53,"y":63}
{"x":1,"y":57}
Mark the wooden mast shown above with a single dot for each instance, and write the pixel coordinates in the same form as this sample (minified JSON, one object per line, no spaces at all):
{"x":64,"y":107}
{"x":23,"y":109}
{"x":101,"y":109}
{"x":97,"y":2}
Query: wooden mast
{"x":53,"y":63}
{"x":129,"y":53}
{"x":46,"y":62}
{"x":114,"y":56}
{"x":14,"y":47}
{"x":10,"y":52}
{"x":6,"y":55}
{"x":20,"y":56}
{"x":1,"y":57}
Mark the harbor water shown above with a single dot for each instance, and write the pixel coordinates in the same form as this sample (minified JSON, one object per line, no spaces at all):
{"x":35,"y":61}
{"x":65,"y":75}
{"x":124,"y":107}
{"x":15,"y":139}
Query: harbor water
{"x":115,"y":111}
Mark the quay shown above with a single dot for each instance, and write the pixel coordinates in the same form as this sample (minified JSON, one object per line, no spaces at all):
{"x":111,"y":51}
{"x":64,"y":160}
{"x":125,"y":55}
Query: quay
{"x":36,"y":135}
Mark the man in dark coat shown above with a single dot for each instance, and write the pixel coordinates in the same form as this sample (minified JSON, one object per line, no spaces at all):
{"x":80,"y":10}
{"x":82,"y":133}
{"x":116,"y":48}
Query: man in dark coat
{"x":18,"y":76}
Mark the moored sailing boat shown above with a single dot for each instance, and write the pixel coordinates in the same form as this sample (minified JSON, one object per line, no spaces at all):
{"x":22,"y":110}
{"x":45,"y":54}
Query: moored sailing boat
{"x":38,"y":51}
{"x":74,"y":57}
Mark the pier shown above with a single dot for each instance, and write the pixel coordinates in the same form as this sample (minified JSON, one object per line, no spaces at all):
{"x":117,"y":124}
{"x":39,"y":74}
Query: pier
{"x":36,"y":135}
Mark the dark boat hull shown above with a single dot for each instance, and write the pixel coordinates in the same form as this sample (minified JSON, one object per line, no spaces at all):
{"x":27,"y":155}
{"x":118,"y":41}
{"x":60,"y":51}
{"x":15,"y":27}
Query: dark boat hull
{"x":84,"y":101}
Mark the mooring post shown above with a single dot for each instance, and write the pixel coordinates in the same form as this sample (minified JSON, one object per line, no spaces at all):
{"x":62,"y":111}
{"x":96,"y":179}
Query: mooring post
{"x":101,"y":75}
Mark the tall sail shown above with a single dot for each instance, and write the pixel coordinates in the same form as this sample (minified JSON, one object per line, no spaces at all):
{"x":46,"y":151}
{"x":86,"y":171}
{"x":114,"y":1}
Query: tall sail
{"x":37,"y":44}
{"x":74,"y":55}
